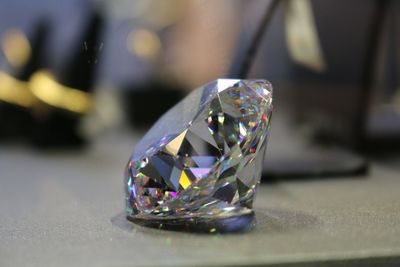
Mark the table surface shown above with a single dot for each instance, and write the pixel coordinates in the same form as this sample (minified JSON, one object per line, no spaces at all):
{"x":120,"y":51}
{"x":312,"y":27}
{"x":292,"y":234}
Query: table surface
{"x":66,"y":209}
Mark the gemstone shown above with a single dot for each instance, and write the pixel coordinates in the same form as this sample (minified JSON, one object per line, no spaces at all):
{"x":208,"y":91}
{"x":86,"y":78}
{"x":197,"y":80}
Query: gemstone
{"x":202,"y":160}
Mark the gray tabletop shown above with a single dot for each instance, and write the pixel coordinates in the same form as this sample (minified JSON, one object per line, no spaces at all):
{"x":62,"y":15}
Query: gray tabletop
{"x":65,"y":209}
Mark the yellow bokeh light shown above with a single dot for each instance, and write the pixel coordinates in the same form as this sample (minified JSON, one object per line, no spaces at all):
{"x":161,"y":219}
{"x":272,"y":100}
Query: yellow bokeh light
{"x":15,"y":92}
{"x":16,"y":48}
{"x":48,"y":90}
{"x":144,"y":43}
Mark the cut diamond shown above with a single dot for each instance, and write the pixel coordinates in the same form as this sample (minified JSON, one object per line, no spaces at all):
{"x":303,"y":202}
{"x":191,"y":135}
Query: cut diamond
{"x":203,"y":158}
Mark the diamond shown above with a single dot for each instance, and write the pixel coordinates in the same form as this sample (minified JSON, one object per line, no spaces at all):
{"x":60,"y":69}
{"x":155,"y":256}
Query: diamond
{"x":203,"y":158}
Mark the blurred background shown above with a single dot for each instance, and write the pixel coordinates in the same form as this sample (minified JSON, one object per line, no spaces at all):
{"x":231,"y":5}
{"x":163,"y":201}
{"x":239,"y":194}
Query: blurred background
{"x":79,"y":78}
{"x":336,"y":63}
{"x":73,"y":70}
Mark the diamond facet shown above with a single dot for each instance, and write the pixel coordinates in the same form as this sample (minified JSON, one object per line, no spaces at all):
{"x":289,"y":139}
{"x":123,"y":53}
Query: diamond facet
{"x":203,"y":158}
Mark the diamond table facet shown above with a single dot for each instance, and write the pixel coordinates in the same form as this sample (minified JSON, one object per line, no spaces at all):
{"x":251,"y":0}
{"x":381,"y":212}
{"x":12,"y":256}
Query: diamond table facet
{"x":202,"y":160}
